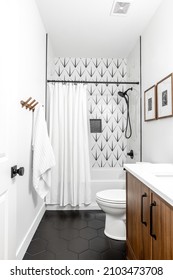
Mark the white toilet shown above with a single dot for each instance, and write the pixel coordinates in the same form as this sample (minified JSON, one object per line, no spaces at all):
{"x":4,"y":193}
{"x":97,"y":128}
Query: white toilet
{"x":113,"y":203}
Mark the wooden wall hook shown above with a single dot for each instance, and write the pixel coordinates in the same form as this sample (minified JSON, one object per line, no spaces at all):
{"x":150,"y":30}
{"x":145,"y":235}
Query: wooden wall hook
{"x":27,"y":105}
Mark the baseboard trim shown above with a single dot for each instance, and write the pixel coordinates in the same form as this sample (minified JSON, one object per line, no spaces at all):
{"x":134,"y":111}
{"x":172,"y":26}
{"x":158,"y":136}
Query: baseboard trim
{"x":29,"y":235}
{"x":54,"y":207}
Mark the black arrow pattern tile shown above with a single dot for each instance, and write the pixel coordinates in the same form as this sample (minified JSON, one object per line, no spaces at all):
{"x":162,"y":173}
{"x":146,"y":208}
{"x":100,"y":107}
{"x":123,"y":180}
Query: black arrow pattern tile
{"x":103,"y":103}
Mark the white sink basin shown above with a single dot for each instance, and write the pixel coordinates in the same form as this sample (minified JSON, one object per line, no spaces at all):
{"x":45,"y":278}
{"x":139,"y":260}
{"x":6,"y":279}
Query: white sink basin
{"x":164,"y":175}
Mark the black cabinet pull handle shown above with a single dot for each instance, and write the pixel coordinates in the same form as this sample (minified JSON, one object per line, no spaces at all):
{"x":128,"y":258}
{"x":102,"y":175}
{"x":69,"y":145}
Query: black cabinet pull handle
{"x":142,"y":209}
{"x":153,"y":204}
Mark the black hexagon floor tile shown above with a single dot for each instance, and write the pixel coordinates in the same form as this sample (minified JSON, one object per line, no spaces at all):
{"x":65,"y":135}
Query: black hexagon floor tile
{"x":96,"y":224}
{"x":88,"y":233}
{"x":46,"y":255}
{"x":89,"y":255}
{"x":28,"y":257}
{"x":37,"y":246}
{"x":87,"y":216}
{"x":44,"y":225}
{"x":72,"y":235}
{"x":66,"y":255}
{"x":100,"y":216}
{"x":118,"y":245}
{"x":78,"y":245}
{"x":56,"y":215}
{"x":49,"y":234}
{"x":74,"y":214}
{"x":62,"y":224}
{"x":51,"y":218}
{"x":101,"y":233}
{"x":112,"y":254}
{"x":57,"y":245}
{"x":79,"y":224}
{"x":99,"y":244}
{"x":69,"y":233}
{"x":36,"y":235}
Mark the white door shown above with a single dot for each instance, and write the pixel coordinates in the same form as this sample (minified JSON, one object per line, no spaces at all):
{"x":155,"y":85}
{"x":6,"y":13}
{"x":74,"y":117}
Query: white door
{"x":8,"y":157}
{"x":7,"y":212}
{"x":8,"y":127}
{"x":3,"y":210}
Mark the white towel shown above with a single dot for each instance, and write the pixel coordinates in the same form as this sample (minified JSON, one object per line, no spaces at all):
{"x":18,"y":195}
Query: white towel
{"x":43,"y":156}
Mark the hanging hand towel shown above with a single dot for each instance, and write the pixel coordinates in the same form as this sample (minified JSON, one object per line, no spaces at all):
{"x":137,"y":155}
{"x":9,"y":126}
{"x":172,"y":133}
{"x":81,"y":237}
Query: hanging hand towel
{"x":43,"y":156}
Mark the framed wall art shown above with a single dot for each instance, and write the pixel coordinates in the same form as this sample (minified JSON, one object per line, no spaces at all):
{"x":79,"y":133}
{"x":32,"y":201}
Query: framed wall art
{"x":165,"y":97}
{"x":150,"y":104}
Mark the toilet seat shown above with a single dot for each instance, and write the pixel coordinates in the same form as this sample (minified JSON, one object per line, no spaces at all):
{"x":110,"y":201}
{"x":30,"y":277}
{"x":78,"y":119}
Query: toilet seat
{"x":113,"y":196}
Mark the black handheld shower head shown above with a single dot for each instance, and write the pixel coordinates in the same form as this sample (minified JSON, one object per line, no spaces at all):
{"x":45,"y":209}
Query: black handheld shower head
{"x":123,"y":94}
{"x":128,"y":123}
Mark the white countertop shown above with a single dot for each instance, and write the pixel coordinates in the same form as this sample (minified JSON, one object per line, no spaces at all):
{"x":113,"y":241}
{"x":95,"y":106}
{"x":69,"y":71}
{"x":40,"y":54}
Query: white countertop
{"x":158,"y":177}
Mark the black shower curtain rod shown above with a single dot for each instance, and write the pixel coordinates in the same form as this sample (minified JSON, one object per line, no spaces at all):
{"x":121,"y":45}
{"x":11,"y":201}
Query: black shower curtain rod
{"x":93,"y":82}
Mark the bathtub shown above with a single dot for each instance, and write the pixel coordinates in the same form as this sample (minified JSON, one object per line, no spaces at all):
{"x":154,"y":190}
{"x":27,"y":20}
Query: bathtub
{"x":101,"y":179}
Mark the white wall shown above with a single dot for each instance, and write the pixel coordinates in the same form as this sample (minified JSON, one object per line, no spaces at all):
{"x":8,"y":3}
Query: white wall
{"x":133,"y":74}
{"x":50,"y":61}
{"x":157,"y":57}
{"x":32,"y":58}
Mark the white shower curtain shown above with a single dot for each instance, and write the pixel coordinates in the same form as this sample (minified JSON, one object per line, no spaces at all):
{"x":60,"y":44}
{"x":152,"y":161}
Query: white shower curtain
{"x":68,"y":130}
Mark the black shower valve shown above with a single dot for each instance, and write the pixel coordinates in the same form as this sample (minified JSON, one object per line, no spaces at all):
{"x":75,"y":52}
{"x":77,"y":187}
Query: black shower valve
{"x":131,"y":154}
{"x":14,"y":171}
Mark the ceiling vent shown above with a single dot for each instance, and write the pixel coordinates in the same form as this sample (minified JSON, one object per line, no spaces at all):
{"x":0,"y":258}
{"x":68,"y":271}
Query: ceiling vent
{"x":120,"y":8}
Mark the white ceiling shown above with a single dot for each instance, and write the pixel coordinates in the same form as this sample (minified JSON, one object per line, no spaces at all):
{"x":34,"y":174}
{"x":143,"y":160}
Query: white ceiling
{"x":85,"y":28}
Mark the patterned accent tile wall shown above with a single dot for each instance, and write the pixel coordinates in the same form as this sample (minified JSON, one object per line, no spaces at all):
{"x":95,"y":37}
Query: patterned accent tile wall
{"x":108,"y":149}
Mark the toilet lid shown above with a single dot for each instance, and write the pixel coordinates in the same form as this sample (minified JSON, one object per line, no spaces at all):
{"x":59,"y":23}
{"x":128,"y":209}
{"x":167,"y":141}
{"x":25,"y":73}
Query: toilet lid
{"x":113,"y":196}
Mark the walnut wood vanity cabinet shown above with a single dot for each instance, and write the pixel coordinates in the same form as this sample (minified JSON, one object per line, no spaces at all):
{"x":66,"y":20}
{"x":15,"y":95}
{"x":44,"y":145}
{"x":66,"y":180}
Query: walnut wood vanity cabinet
{"x":149,"y":223}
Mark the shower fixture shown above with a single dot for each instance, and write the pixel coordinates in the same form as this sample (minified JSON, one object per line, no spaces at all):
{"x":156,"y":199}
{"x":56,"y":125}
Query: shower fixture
{"x":128,"y":122}
{"x":123,"y":94}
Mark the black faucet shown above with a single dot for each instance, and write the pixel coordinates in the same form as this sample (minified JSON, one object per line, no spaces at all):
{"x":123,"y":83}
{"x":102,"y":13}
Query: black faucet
{"x":131,"y":154}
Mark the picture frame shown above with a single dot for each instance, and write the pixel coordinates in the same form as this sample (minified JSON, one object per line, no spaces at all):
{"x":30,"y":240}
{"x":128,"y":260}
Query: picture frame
{"x":165,"y":97}
{"x":150,"y":104}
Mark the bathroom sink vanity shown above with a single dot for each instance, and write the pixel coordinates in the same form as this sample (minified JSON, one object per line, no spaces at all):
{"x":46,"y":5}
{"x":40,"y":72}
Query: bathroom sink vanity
{"x":149,"y":214}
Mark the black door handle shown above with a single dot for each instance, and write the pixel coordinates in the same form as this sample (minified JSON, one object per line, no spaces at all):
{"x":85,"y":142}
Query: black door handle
{"x":142,"y":209}
{"x":14,"y":171}
{"x":153,"y":204}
